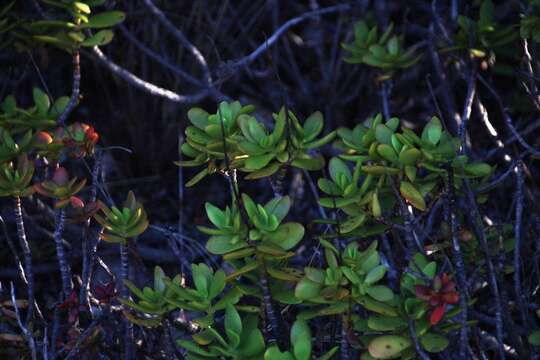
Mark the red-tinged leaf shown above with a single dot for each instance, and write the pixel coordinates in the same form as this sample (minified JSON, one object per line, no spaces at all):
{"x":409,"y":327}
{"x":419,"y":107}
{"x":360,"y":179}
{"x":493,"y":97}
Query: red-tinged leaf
{"x":449,"y":287}
{"x":112,"y":238}
{"x":435,"y":300}
{"x":445,"y":278}
{"x":60,"y":176}
{"x":76,"y":202}
{"x":422,"y":292}
{"x":437,"y":315}
{"x":104,"y":293}
{"x":43,"y":138}
{"x":451,"y":298}
{"x":61,"y":203}
{"x":41,"y":190}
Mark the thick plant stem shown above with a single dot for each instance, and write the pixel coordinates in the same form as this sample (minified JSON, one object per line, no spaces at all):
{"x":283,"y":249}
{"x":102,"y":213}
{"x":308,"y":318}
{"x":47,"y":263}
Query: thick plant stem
{"x":124,"y":291}
{"x":460,"y":265}
{"x":60,"y":253}
{"x":275,"y":324}
{"x":344,"y":348}
{"x":28,"y":268}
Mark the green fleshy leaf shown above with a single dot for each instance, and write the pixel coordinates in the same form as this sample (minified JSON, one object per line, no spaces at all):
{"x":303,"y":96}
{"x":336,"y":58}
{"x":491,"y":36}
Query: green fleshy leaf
{"x":104,"y":20}
{"x":434,"y":342}
{"x":287,"y":235}
{"x":413,"y":196}
{"x":301,"y":340}
{"x":380,"y":293}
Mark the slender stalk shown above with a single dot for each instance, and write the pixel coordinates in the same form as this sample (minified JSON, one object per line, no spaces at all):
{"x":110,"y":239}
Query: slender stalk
{"x":65,"y":271}
{"x":275,"y":325}
{"x":124,"y":291}
{"x":28,"y":268}
{"x":385,"y":94}
{"x":492,"y":276}
{"x":55,"y":330}
{"x":408,"y":222}
{"x":421,"y":353}
{"x":11,"y":245}
{"x":467,"y":108}
{"x":513,"y":332}
{"x":85,"y":335}
{"x":26,"y":332}
{"x":344,"y":348}
{"x":75,"y":89}
{"x":517,"y":247}
{"x":458,"y":259}
{"x":180,"y":225}
{"x":87,"y":246}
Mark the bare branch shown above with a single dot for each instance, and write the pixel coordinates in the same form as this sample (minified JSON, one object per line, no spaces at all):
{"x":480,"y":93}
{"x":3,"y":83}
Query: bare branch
{"x":150,"y":88}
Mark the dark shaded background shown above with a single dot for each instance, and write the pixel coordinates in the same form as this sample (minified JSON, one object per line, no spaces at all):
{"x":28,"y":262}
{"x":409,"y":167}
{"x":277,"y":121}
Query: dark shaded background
{"x":303,"y":69}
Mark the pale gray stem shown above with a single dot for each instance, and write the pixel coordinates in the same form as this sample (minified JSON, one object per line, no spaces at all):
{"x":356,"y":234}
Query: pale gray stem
{"x":124,"y":291}
{"x":26,"y":332}
{"x":75,"y":89}
{"x":28,"y":269}
{"x":60,"y":253}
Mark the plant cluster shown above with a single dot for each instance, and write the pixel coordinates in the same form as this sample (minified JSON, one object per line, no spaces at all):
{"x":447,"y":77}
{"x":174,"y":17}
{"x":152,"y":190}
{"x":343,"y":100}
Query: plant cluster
{"x":396,"y":264}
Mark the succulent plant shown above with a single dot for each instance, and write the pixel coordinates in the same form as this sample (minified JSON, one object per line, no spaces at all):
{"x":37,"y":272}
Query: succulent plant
{"x":242,"y":340}
{"x":205,"y":138}
{"x":15,"y":180}
{"x":386,"y":156}
{"x":10,"y":147}
{"x":385,"y":52}
{"x":267,"y":222}
{"x":62,"y":189}
{"x":249,"y":145}
{"x":353,"y":274}
{"x":262,"y":153}
{"x":151,"y":301}
{"x":231,"y":234}
{"x":530,"y":27}
{"x":121,"y":224}
{"x":70,"y":32}
{"x":79,"y":138}
{"x":41,"y":116}
{"x":484,"y":37}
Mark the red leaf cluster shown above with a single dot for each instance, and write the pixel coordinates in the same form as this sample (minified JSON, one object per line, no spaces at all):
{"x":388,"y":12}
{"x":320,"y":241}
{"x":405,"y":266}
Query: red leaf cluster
{"x":441,"y":293}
